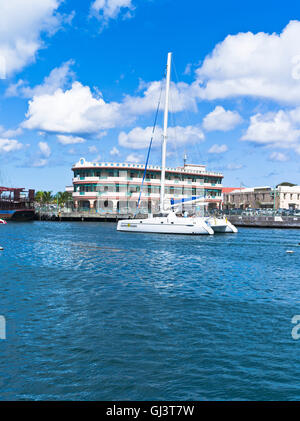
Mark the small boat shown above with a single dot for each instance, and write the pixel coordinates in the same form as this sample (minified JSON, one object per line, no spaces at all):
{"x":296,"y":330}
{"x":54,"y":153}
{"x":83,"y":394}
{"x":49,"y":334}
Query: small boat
{"x":2,"y":221}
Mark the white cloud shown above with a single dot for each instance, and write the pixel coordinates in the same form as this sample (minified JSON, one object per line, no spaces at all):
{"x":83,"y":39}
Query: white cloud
{"x":222,"y":120}
{"x":69,"y":140}
{"x":59,"y":77}
{"x":278,"y":156}
{"x":243,"y":64}
{"x":234,"y":167}
{"x":21,"y":25}
{"x":135,"y":158}
{"x":45,"y":149}
{"x":41,"y":162}
{"x":188,"y":69}
{"x":9,"y":145}
{"x":273,"y":129}
{"x":139,"y":138}
{"x":257,"y":65}
{"x":218,"y":149}
{"x":181,"y":98}
{"x":114,"y":151}
{"x":93,"y":149}
{"x":106,"y":10}
{"x":10,"y":132}
{"x":75,"y":110}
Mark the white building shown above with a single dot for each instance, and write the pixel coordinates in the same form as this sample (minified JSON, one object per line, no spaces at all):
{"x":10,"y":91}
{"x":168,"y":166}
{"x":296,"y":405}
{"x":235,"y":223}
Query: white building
{"x":115,"y":187}
{"x":288,"y":197}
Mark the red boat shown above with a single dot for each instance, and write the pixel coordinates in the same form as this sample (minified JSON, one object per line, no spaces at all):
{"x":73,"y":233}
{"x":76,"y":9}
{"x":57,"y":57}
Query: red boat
{"x":16,"y":204}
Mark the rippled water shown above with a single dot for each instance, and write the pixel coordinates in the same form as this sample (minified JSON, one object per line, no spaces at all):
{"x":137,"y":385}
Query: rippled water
{"x":93,"y":314}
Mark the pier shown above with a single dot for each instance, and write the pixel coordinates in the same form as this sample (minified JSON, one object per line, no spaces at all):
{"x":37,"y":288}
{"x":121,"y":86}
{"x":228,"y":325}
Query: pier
{"x":258,"y":221}
{"x":87,"y":216}
{"x":255,"y":221}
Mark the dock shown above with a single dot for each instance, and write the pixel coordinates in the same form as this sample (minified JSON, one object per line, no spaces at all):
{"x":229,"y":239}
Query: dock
{"x":254,"y":221}
{"x":85,"y":216}
{"x":259,"y":221}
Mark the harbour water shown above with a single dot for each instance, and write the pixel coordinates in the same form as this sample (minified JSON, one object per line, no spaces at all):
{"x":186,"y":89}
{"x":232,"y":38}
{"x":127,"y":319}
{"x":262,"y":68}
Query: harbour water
{"x":95,"y":314}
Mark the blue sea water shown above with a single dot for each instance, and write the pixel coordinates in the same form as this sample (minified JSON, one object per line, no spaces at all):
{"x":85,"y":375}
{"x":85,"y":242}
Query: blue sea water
{"x":94,"y":314}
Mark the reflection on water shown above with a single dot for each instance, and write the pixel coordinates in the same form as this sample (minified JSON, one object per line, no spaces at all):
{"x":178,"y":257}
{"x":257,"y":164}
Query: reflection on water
{"x":97,"y":314}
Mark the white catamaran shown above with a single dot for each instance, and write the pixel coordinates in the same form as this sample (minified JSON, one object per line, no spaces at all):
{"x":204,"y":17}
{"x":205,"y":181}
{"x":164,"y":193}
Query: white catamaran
{"x":168,"y":222}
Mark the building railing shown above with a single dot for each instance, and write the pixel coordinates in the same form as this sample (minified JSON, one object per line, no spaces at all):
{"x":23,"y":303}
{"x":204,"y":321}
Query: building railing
{"x":142,"y":167}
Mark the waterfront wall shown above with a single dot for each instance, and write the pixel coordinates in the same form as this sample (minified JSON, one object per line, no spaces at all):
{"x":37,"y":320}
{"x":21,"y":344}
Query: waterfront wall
{"x":256,"y":221}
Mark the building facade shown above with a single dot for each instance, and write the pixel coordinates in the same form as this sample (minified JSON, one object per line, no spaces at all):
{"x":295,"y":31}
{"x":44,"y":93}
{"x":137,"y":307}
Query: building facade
{"x":263,"y":198}
{"x":115,"y":187}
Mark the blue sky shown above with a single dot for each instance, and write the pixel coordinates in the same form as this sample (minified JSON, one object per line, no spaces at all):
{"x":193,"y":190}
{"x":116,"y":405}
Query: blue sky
{"x":83,"y":79}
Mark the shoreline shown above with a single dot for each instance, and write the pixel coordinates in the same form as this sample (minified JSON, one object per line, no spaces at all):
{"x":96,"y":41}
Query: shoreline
{"x":239,"y":221}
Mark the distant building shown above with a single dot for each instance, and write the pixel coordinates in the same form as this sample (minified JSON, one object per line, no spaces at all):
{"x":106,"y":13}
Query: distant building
{"x":115,"y":187}
{"x":226,"y":190}
{"x":262,"y":197}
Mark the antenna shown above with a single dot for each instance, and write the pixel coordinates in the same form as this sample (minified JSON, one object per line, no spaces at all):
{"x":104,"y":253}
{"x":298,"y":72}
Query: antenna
{"x":184,"y":159}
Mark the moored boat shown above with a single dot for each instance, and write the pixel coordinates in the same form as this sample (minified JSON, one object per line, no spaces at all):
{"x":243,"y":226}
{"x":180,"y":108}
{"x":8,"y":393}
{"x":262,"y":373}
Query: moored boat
{"x":168,"y":222}
{"x":16,"y":204}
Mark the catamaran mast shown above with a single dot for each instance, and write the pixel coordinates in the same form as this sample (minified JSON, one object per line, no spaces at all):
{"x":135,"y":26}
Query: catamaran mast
{"x":164,"y":140}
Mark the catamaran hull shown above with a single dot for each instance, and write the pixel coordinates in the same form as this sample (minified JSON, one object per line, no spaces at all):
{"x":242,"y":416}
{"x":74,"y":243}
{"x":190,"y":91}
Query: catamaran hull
{"x":163,"y":228}
{"x":222,"y":226}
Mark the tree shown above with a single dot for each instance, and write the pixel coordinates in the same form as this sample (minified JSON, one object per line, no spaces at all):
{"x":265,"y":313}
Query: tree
{"x":39,"y":196}
{"x":286,"y":183}
{"x":63,"y":197}
{"x":47,"y":197}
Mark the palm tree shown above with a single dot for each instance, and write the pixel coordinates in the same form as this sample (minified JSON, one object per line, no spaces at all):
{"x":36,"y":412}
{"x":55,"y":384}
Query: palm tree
{"x":47,"y":197}
{"x":63,"y":197}
{"x":39,"y":196}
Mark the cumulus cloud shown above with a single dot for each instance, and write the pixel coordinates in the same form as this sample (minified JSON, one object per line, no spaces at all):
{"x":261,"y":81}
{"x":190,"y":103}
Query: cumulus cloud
{"x":139,"y":138}
{"x":222,"y":120}
{"x":93,"y":149}
{"x":188,"y":69}
{"x":273,"y":129}
{"x":106,"y":10}
{"x":234,"y":167}
{"x":75,"y":110}
{"x":9,"y":145}
{"x":181,"y":98}
{"x":135,"y":158}
{"x":218,"y":149}
{"x":114,"y":151}
{"x":41,"y":162}
{"x":59,"y":77}
{"x":8,"y":133}
{"x":278,"y":156}
{"x":44,"y":149}
{"x":78,"y":110}
{"x":21,"y":25}
{"x":258,"y":65}
{"x":69,"y":140}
